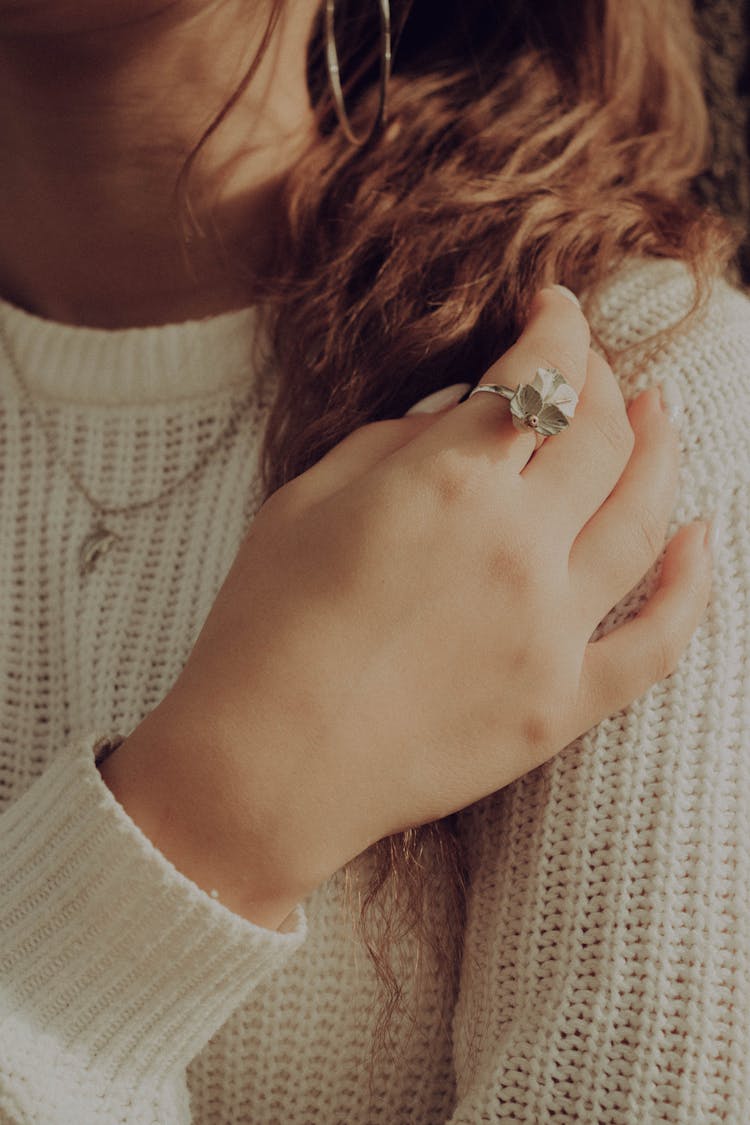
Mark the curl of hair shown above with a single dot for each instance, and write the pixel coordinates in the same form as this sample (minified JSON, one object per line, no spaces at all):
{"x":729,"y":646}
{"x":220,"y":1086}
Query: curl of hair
{"x":526,"y":144}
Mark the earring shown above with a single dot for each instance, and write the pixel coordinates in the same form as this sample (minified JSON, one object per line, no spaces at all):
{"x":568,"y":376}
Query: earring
{"x":332,"y":60}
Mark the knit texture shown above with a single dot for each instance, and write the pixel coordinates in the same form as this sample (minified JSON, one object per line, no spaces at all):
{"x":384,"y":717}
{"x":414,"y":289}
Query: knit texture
{"x":605,"y":975}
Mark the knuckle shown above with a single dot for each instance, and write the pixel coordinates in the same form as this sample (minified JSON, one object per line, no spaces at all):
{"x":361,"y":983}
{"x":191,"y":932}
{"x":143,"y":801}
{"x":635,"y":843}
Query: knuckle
{"x":613,"y":426}
{"x":512,"y":569}
{"x":452,"y":476}
{"x":385,"y":504}
{"x":651,"y":532}
{"x":522,"y":564}
{"x":395,"y":510}
{"x":551,"y":352}
{"x":538,"y":734}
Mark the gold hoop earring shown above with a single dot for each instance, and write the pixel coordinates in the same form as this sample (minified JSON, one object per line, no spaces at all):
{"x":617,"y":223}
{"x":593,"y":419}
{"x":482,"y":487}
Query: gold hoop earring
{"x":334,"y":77}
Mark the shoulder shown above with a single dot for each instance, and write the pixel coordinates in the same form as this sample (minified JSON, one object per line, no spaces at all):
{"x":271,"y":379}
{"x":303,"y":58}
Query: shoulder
{"x":648,"y":296}
{"x":642,"y":316}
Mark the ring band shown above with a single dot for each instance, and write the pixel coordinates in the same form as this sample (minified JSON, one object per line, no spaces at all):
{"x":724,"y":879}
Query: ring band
{"x":545,"y":405}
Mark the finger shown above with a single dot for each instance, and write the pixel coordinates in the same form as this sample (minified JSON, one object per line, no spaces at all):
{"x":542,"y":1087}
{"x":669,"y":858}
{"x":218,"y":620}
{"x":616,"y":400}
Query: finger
{"x":574,"y":473}
{"x":367,"y":446}
{"x":556,"y":335}
{"x":625,"y":537}
{"x":623,"y":665}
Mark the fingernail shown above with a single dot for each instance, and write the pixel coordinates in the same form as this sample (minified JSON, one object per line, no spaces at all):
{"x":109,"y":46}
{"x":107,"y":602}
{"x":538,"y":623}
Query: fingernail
{"x":715,"y":532}
{"x":565,"y":292}
{"x":672,"y":401}
{"x":448,"y":396}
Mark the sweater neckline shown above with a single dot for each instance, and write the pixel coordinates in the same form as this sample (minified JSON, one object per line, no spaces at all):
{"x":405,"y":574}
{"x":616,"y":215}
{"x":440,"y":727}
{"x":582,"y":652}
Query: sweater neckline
{"x":132,"y":366}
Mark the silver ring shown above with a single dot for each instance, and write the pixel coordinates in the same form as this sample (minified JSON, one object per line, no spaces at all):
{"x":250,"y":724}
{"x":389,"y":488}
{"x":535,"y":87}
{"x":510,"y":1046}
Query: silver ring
{"x":545,"y":405}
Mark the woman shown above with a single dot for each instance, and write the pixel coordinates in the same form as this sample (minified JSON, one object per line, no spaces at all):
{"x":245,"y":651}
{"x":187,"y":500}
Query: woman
{"x":344,"y":706}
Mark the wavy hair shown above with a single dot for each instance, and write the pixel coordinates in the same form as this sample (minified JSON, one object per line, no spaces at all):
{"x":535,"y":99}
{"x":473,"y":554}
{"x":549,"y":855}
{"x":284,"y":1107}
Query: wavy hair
{"x":526,"y":144}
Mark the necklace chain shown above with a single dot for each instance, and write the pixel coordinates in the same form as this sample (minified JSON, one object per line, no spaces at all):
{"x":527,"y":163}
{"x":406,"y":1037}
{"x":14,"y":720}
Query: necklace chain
{"x":98,"y":542}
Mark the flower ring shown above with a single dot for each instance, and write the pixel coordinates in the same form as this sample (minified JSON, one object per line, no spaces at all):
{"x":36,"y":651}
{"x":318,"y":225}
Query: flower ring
{"x":544,"y":405}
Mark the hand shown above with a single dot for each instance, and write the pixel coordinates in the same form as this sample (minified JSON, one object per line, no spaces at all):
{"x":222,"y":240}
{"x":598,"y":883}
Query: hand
{"x":407,"y":626}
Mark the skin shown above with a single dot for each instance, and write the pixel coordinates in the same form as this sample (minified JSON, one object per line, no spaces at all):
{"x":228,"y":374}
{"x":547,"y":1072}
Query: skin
{"x":408,"y":595}
{"x":89,"y":232}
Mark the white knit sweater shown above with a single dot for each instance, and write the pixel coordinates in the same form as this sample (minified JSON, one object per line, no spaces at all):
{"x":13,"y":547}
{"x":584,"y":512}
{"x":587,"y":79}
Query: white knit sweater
{"x":606,"y":971}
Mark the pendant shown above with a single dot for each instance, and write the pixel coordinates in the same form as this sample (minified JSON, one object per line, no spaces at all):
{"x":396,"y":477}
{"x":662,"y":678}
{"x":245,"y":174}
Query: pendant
{"x":94,"y":547}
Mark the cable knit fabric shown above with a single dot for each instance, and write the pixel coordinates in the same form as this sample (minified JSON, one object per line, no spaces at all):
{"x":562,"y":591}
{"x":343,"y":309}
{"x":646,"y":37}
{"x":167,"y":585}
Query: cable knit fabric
{"x":605,"y":973}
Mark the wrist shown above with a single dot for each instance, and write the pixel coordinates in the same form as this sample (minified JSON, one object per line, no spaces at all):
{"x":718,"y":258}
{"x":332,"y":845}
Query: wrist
{"x":157,"y":786}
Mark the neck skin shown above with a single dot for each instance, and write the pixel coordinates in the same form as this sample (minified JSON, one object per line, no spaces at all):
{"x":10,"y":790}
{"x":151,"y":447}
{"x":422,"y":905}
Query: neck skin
{"x":99,"y":108}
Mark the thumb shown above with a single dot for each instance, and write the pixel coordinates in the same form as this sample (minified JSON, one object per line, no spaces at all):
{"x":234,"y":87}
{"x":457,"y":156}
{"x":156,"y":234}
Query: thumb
{"x":367,"y":446}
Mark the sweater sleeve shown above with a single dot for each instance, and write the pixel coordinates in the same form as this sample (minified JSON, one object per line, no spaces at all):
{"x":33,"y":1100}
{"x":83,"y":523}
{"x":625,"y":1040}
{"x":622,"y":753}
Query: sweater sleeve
{"x":115,"y":969}
{"x":606,"y":967}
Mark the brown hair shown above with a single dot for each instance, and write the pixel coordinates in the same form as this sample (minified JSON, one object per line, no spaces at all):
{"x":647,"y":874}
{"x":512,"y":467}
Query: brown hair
{"x":526,"y":144}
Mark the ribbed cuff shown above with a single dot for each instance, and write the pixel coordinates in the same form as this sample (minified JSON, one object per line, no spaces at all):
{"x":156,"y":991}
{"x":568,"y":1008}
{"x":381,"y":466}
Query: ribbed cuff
{"x":104,"y":943}
{"x":137,"y":366}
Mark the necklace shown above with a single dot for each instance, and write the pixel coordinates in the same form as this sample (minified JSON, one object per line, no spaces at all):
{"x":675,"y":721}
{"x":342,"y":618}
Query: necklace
{"x":101,"y":537}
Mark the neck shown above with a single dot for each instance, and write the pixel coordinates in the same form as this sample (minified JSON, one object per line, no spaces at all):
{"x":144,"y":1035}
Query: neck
{"x":96,"y":123}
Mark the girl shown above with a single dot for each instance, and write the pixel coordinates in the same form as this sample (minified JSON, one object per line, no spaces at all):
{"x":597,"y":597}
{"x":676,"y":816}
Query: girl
{"x":286,"y":833}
